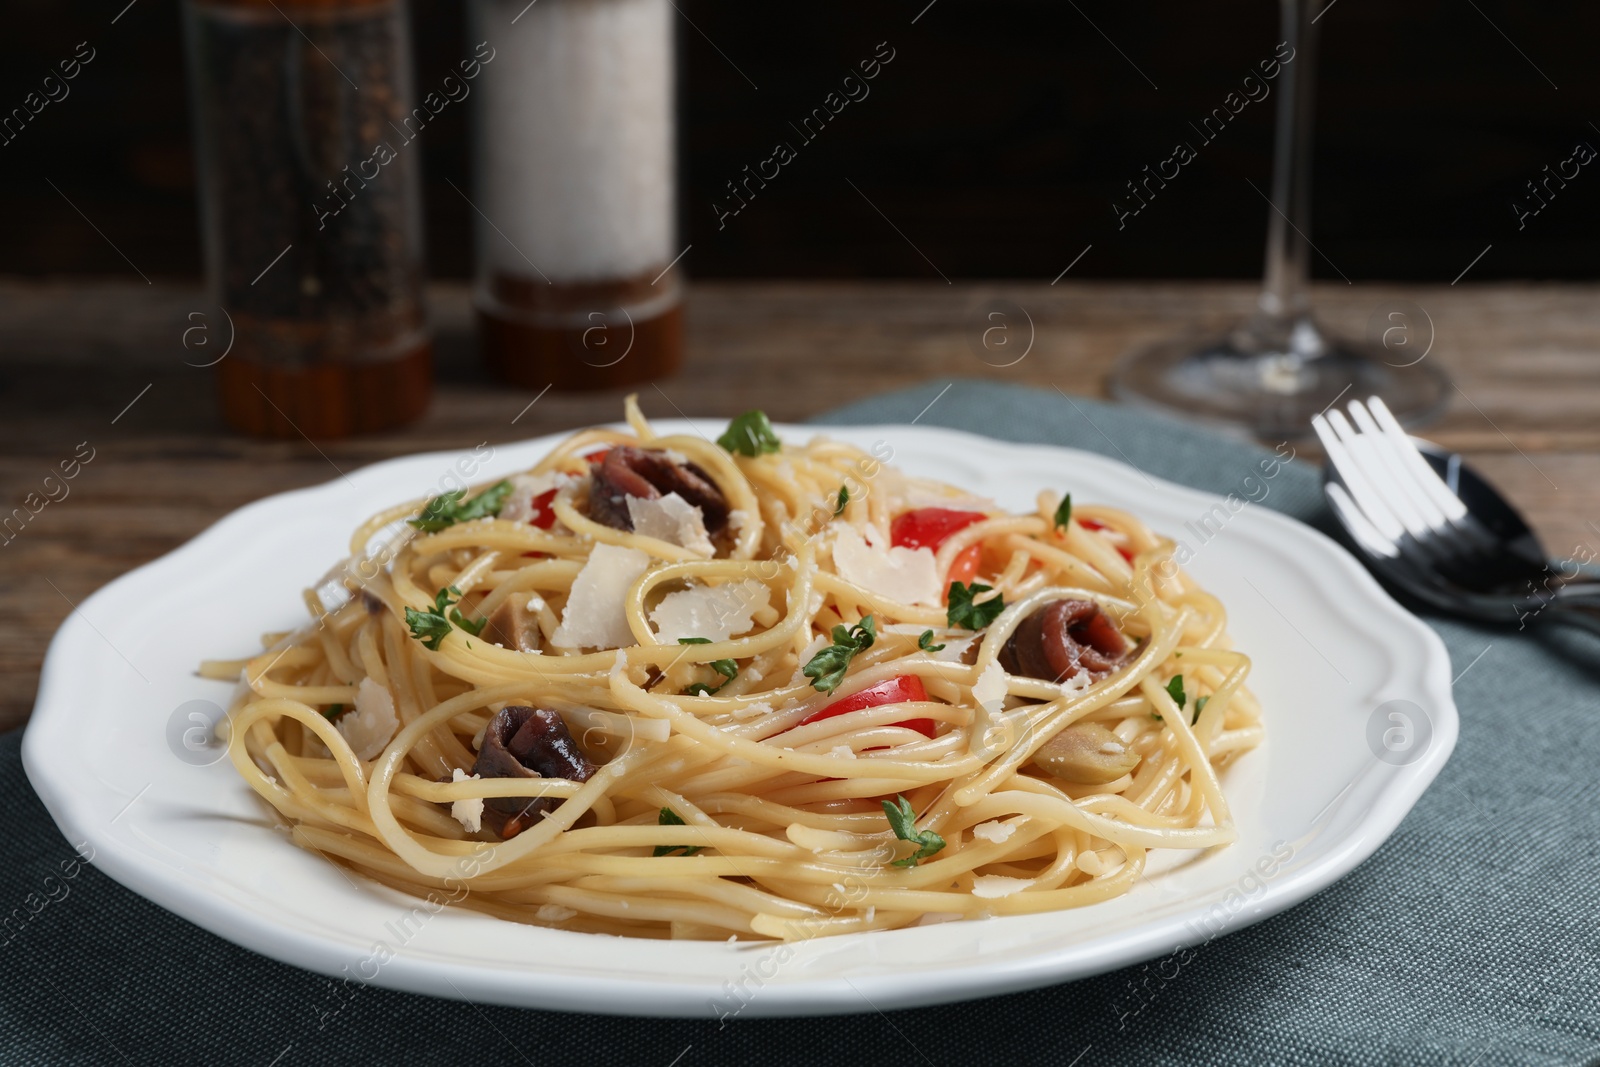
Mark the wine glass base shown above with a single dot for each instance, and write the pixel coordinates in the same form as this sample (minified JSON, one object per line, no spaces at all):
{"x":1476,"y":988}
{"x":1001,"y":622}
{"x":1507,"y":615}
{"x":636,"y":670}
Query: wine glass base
{"x":1272,"y":387}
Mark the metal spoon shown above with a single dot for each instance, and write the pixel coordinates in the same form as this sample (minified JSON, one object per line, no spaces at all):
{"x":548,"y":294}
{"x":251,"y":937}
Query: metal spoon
{"x":1491,"y":566}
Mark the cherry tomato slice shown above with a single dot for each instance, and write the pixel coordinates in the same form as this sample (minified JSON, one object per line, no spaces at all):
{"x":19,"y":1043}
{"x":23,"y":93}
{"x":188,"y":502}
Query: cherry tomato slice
{"x":544,"y":516}
{"x":964,"y":568}
{"x":929,"y":527}
{"x":905,"y":687}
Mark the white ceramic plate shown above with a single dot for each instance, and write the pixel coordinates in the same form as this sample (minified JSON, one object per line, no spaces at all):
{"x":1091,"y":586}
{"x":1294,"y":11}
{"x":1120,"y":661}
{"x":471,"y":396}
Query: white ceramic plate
{"x":1358,"y":713}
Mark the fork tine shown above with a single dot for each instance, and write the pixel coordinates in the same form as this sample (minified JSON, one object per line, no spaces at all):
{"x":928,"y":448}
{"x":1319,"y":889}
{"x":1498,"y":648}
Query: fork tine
{"x":1358,"y":524}
{"x":1366,"y":499}
{"x":1424,"y":475}
{"x":1384,"y":450}
{"x":1366,"y":450}
{"x":1361,"y":449}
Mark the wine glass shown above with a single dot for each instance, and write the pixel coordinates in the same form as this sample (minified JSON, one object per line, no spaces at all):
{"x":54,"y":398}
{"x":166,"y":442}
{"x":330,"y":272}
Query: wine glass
{"x":1278,"y":368}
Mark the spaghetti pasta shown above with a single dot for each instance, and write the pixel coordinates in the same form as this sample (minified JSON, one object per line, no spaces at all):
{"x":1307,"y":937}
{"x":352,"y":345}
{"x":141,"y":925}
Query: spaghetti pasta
{"x":665,"y":687}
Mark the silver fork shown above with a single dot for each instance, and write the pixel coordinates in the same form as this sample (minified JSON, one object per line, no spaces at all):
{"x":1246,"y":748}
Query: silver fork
{"x":1455,"y":544}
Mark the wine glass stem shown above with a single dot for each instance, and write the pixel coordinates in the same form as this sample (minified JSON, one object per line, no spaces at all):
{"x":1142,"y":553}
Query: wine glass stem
{"x":1284,"y":295}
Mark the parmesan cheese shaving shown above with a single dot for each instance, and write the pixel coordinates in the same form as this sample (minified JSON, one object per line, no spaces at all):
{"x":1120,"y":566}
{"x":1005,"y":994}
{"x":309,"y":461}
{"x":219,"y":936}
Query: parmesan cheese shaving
{"x":990,"y":886}
{"x":594,"y":615}
{"x":713,"y":612}
{"x":993,"y":832}
{"x":990,"y":688}
{"x":469,"y":813}
{"x":908,"y":575}
{"x":671,"y":519}
{"x":369,"y":726}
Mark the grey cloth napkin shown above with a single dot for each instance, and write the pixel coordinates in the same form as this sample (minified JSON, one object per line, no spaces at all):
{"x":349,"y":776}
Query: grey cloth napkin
{"x":1472,"y":937}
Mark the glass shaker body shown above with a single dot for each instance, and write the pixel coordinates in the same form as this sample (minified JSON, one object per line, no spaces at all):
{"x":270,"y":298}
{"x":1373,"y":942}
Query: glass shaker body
{"x":311,"y":212}
{"x":575,"y":176}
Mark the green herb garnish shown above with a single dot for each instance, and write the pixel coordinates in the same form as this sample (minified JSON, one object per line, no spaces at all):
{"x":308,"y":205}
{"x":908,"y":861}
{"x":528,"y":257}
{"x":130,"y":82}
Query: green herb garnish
{"x":750,"y":434}
{"x":903,"y":821}
{"x":1064,"y":511}
{"x":844,"y":498}
{"x":826,"y":669}
{"x":962,"y":612}
{"x":447,"y":510}
{"x":668,"y":817}
{"x":726,"y":667}
{"x":333,"y":711}
{"x":925,"y":642}
{"x":432,"y":627}
{"x":1179,"y":697}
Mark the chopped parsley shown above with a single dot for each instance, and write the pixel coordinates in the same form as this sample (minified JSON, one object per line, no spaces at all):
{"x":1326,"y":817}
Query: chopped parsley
{"x":1179,"y":697}
{"x":925,"y":642}
{"x":903,"y":821}
{"x":447,"y":510}
{"x":726,"y":667}
{"x":333,"y":711}
{"x":1175,"y":691}
{"x":668,"y":817}
{"x":750,"y":434}
{"x":432,"y":627}
{"x":1064,"y":511}
{"x":962,"y":612}
{"x":826,"y":669}
{"x":844,"y":498}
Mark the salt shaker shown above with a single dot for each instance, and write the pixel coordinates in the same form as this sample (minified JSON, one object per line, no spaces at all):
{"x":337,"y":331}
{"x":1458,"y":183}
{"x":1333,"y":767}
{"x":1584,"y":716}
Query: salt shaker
{"x":311,"y":211}
{"x":575,"y":198}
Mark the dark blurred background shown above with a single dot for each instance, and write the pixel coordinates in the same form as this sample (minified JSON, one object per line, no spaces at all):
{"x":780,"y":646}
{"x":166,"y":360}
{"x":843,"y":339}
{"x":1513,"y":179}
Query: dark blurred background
{"x":995,"y":140}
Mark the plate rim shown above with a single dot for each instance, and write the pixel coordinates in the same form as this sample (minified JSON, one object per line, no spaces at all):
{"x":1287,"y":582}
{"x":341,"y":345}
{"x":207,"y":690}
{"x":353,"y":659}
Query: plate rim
{"x":928,"y":985}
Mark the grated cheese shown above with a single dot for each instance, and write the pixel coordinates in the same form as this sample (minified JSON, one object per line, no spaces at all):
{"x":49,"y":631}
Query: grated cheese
{"x":594,"y":615}
{"x":368,"y":727}
{"x":751,"y":711}
{"x":554,"y":913}
{"x":469,"y":813}
{"x":990,"y":886}
{"x":994,"y":832}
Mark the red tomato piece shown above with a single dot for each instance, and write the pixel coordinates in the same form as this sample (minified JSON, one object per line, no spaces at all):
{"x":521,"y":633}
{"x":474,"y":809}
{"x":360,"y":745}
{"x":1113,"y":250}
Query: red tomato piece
{"x":898,"y":690}
{"x":929,"y":527}
{"x":544,"y":516}
{"x":964,"y":568}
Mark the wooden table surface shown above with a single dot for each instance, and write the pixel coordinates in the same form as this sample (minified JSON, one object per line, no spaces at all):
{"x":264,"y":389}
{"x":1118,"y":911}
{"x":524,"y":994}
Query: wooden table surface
{"x":106,"y":364}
